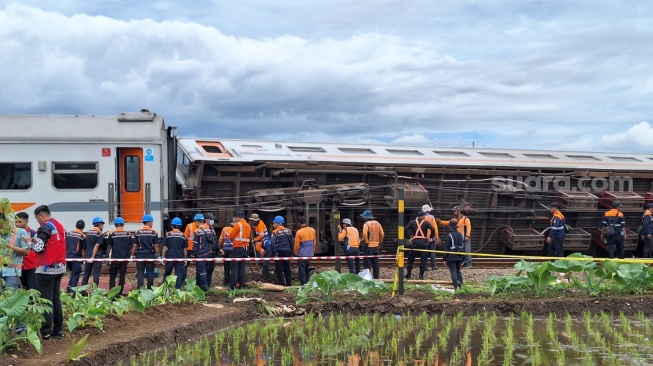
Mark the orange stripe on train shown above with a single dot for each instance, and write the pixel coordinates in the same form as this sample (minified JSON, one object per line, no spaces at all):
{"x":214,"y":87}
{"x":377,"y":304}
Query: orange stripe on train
{"x":21,"y":206}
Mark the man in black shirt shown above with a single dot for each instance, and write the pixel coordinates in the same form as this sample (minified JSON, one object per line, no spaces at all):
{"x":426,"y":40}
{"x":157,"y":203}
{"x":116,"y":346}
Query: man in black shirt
{"x":419,"y":231}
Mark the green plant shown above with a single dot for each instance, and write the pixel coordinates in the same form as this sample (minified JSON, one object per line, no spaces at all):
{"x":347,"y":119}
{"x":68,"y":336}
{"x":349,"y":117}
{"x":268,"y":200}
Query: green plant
{"x":21,"y":307}
{"x":592,"y":275}
{"x":89,"y":309}
{"x":538,"y":274}
{"x":75,"y":351}
{"x":633,"y":277}
{"x":325,"y":285}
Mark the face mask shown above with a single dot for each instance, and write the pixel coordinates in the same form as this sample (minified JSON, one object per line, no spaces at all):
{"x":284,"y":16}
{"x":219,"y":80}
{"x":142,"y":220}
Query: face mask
{"x":212,"y":222}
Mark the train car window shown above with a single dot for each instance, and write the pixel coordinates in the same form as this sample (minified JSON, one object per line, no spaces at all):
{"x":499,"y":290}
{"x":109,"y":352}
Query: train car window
{"x":75,"y":175}
{"x":451,"y":153}
{"x":15,"y":176}
{"x":212,"y":149}
{"x":132,"y":174}
{"x":496,"y":155}
{"x":306,"y":149}
{"x":623,"y":158}
{"x":356,"y":150}
{"x":540,"y":156}
{"x":583,"y":157}
{"x":404,"y":152}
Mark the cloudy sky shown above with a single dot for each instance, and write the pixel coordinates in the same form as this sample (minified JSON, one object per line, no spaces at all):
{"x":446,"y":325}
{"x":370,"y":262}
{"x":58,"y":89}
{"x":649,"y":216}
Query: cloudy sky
{"x":550,"y":74}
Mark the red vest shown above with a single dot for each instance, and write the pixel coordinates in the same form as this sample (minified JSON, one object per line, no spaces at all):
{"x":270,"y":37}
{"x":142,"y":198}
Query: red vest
{"x":55,"y":250}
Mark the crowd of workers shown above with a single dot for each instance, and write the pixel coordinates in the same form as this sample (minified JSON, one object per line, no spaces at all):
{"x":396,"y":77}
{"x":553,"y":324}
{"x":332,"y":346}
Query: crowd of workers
{"x":38,"y":257}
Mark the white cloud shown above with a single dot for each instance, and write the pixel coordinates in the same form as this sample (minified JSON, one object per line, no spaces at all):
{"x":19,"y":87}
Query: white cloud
{"x":505,"y":74}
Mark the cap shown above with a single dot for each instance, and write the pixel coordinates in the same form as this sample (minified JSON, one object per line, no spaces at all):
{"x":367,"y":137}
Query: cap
{"x":198,"y":217}
{"x":119,"y":221}
{"x":239,"y":214}
{"x":209,"y":216}
{"x":427,"y":208}
{"x":80,"y":224}
{"x":176,"y":221}
{"x":346,"y":221}
{"x":420,"y":213}
{"x":456,"y":208}
{"x":148,"y":218}
{"x":277,"y":219}
{"x":616,"y":204}
{"x":554,"y":204}
{"x":367,"y":214}
{"x":254,"y":217}
{"x":650,"y":205}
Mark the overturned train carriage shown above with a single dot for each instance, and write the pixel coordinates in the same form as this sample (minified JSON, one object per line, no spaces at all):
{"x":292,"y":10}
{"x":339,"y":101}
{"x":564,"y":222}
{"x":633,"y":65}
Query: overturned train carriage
{"x":507,"y":191}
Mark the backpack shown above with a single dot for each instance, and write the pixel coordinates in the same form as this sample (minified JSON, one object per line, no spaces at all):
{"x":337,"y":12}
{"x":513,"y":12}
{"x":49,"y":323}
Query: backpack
{"x":609,"y":230}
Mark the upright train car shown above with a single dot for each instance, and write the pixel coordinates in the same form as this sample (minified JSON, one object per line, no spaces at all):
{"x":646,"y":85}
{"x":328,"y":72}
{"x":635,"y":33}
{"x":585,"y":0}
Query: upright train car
{"x":508,"y":191}
{"x":86,"y":166}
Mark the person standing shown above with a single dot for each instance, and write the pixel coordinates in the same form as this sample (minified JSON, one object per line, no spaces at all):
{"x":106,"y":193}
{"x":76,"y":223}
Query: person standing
{"x":261,"y":242}
{"x":17,"y":249}
{"x":434,"y":242}
{"x":94,"y":250}
{"x":465,"y":228}
{"x":226,"y":245}
{"x":119,"y":245}
{"x":50,"y":248}
{"x":614,"y":230}
{"x":419,"y":232}
{"x":647,"y":232}
{"x":348,"y":235}
{"x":28,"y":273}
{"x":146,"y":246}
{"x":557,"y":234}
{"x":373,"y":236}
{"x":454,"y":243}
{"x":203,"y":248}
{"x":175,"y":247}
{"x":305,"y":243}
{"x":75,"y":244}
{"x":282,"y":241}
{"x":209,"y":220}
{"x":240,"y":237}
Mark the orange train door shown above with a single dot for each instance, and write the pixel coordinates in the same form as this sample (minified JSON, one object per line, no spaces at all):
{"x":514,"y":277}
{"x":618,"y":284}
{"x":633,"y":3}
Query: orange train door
{"x":130,"y":185}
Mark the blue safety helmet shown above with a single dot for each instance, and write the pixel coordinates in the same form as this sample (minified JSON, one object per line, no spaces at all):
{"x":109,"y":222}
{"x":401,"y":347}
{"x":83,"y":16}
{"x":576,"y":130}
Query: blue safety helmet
{"x":98,"y":220}
{"x":278,"y":220}
{"x":119,"y":221}
{"x":148,"y":218}
{"x":198,"y":217}
{"x":176,"y":221}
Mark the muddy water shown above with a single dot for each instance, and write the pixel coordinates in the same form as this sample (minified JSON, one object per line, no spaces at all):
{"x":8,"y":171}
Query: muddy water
{"x":424,"y":340}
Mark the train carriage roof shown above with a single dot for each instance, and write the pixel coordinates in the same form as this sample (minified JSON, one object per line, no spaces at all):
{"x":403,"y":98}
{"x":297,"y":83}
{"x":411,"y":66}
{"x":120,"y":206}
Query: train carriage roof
{"x":141,"y":127}
{"x":244,"y":151}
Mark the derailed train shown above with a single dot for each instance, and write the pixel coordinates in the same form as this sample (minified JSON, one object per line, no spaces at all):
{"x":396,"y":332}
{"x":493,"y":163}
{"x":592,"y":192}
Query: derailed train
{"x":126,"y":165}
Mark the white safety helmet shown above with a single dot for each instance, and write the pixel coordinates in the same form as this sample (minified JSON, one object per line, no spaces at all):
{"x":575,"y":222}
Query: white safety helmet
{"x":346,"y":221}
{"x":427,"y":208}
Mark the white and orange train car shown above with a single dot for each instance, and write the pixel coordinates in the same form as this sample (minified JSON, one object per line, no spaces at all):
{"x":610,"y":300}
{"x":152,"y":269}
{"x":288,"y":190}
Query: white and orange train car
{"x":130,"y":164}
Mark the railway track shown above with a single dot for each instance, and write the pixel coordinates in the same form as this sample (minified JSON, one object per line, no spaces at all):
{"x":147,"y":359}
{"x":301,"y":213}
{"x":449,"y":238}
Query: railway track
{"x":390,"y":262}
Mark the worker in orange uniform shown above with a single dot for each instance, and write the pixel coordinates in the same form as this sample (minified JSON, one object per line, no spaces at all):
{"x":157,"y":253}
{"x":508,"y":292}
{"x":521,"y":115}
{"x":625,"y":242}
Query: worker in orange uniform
{"x":557,"y":234}
{"x":240,"y":237}
{"x":189,"y":233}
{"x":434,"y":242}
{"x":227,"y":246}
{"x":261,"y":242}
{"x":348,"y":235}
{"x":373,"y":236}
{"x":305,"y":243}
{"x":419,"y":231}
{"x":614,"y":230}
{"x":465,"y":228}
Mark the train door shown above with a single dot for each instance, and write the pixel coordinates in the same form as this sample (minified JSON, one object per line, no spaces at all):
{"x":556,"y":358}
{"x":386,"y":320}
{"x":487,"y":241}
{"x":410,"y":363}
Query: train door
{"x":131,"y":197}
